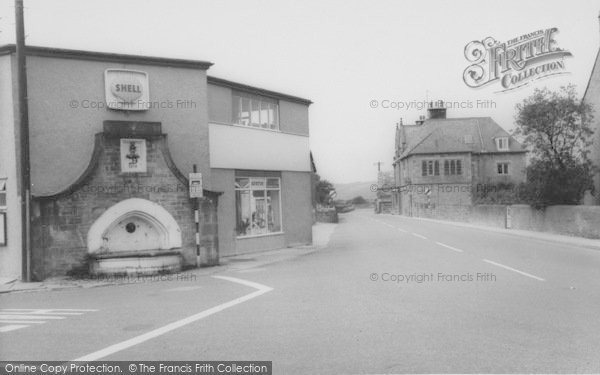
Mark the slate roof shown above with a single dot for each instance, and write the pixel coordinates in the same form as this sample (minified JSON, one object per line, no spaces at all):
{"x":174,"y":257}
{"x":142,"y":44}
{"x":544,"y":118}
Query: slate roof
{"x":454,"y":135}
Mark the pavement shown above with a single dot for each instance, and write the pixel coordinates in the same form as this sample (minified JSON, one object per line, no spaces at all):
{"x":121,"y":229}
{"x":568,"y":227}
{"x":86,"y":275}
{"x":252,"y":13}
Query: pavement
{"x":543,"y":236}
{"x":321,"y":235}
{"x":386,"y":295}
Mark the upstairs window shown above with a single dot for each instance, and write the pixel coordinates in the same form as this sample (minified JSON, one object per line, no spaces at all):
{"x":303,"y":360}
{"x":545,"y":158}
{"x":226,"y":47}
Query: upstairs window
{"x":430,"y":168}
{"x":502,"y":168}
{"x":255,"y":110}
{"x":452,"y":167}
{"x":502,"y":144}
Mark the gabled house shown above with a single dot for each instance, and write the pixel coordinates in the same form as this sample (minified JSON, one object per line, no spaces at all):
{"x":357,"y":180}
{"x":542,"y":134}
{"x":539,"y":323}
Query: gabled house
{"x":439,"y":163}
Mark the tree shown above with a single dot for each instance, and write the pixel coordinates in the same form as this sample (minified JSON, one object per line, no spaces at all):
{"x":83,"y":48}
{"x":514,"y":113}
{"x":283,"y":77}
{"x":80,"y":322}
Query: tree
{"x":323,"y":190}
{"x":556,"y":126}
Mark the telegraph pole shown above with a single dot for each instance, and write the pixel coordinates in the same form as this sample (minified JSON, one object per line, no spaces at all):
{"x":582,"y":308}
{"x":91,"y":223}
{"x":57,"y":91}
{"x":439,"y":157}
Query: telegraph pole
{"x":378,"y":164}
{"x":24,"y":142}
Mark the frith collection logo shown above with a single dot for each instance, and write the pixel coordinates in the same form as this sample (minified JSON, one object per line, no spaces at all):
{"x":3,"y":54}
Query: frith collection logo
{"x":514,"y":63}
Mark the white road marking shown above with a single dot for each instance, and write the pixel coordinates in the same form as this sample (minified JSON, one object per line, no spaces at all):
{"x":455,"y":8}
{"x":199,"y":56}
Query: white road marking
{"x":418,"y":235}
{"x":449,"y":247}
{"x":27,"y":316}
{"x":47,"y":311}
{"x":22,"y":318}
{"x":50,"y":310}
{"x":261,"y":289}
{"x":514,"y":270}
{"x":11,"y":328}
{"x":384,"y":223}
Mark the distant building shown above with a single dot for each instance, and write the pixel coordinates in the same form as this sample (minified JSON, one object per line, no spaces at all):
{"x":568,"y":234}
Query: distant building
{"x":440,"y":162}
{"x":592,"y":96}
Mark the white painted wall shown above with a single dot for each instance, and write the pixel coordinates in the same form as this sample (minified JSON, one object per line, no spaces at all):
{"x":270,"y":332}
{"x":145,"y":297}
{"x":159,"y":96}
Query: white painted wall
{"x":10,"y":255}
{"x":238,"y":147}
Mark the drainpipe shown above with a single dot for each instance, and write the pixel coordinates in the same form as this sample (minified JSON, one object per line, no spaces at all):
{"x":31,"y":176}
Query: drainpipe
{"x":24,"y":142}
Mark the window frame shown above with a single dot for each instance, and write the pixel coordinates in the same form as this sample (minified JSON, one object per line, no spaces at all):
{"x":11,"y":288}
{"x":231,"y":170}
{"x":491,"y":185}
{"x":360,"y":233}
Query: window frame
{"x":3,"y":184}
{"x":430,"y":167}
{"x":265,"y":106}
{"x":453,"y":167}
{"x":502,"y":144}
{"x":504,"y":165}
{"x":3,"y":228}
{"x":265,"y":191}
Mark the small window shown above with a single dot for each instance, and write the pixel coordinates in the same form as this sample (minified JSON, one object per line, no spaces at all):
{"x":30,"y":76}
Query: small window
{"x":2,"y":193}
{"x":502,"y":168}
{"x":502,"y":143}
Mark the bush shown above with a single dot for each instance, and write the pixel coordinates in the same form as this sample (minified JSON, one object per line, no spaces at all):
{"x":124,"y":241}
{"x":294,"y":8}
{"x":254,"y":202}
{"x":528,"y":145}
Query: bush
{"x":359,"y":200}
{"x":549,"y":184}
{"x":500,"y":193}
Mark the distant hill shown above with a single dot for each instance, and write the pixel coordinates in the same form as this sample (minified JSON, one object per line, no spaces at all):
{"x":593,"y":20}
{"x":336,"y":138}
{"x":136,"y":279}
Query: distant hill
{"x":354,"y":189}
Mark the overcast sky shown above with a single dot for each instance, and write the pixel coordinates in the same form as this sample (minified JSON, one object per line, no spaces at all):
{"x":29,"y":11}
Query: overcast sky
{"x":340,"y":54}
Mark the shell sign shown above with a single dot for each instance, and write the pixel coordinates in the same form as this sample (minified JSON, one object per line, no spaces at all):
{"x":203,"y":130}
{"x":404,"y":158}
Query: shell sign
{"x":127,"y":89}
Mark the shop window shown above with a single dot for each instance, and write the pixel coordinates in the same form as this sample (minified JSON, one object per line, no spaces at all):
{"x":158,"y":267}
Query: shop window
{"x":502,"y":168}
{"x":255,"y":110}
{"x":2,"y":193}
{"x":430,"y":168}
{"x":258,"y":205}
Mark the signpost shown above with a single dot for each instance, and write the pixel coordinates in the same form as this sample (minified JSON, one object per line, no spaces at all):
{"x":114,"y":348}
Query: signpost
{"x":195,"y":188}
{"x":195,"y":184}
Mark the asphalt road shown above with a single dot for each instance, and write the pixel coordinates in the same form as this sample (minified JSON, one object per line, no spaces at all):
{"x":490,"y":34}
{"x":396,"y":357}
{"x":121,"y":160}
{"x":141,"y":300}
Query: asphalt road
{"x":388,"y":295}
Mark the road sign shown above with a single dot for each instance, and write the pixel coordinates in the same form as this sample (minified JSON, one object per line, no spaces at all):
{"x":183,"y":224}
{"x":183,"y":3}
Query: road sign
{"x":195,"y":185}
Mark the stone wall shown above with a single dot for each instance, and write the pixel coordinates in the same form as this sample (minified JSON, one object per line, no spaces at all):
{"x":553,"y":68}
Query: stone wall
{"x":61,"y":222}
{"x":581,"y":221}
{"x":327,"y":215}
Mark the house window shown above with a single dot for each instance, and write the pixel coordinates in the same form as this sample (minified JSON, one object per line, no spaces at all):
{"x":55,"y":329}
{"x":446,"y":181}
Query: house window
{"x":430,"y":168}
{"x":256,"y":111}
{"x":502,"y":168}
{"x":2,"y":193}
{"x":258,"y":205}
{"x":452,"y":167}
{"x":502,"y":144}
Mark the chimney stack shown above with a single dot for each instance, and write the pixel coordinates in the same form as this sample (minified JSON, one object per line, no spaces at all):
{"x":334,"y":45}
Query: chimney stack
{"x":436,"y":110}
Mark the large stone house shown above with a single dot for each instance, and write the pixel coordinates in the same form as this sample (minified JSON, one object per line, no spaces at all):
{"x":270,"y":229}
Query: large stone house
{"x":592,"y":96}
{"x":440,"y":162}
